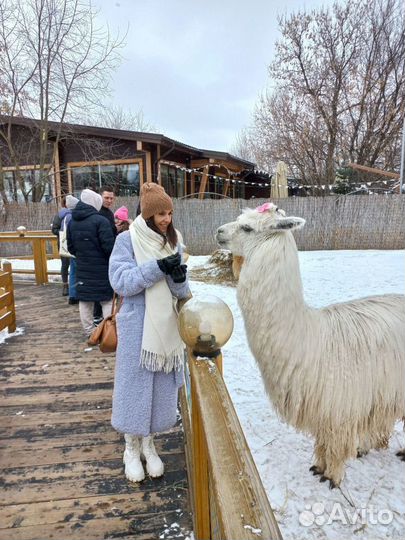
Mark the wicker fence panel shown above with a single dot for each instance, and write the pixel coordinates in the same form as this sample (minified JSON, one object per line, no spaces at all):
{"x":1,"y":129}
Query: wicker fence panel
{"x":342,"y":222}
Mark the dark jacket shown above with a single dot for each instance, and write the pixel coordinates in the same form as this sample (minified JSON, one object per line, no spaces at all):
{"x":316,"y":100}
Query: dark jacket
{"x":107,"y":213}
{"x":91,"y":240}
{"x":57,"y":220}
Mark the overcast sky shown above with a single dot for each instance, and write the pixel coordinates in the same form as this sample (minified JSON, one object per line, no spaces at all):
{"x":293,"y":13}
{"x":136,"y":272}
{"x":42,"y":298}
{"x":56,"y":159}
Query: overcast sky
{"x":196,"y":67}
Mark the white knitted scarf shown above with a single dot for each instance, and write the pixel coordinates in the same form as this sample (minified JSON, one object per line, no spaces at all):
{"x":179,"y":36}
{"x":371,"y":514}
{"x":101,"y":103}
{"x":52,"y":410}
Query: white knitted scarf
{"x":162,"y":347}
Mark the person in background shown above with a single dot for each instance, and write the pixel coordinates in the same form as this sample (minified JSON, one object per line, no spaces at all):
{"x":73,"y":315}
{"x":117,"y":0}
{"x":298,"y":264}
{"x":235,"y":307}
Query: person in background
{"x":122,"y":220}
{"x":108,"y":196}
{"x":90,"y":240}
{"x":65,"y":261}
{"x":146,"y":271}
{"x":71,"y":203}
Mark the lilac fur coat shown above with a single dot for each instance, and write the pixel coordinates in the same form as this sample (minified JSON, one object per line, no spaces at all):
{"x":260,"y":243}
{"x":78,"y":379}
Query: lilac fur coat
{"x":144,"y":402}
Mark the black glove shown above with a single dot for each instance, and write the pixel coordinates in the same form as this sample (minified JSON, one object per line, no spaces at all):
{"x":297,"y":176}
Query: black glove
{"x":168,"y":263}
{"x":179,"y":273}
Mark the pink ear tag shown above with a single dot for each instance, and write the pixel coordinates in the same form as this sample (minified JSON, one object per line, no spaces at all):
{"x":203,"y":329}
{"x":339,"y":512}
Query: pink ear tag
{"x":265,"y":207}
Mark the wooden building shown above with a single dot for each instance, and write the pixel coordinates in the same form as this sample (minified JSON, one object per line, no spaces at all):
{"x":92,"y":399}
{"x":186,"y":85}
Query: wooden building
{"x":77,"y":156}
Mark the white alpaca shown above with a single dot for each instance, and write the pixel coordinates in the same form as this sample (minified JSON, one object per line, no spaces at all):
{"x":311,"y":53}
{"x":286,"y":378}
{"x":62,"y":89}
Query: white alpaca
{"x":338,"y":372}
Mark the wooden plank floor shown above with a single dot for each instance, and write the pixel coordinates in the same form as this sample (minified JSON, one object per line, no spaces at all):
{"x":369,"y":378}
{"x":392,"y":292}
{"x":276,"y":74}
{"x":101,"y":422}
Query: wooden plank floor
{"x":60,"y":459}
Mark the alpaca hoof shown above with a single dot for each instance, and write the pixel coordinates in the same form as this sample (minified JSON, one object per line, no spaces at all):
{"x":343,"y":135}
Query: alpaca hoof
{"x":315,"y":470}
{"x":332,"y":484}
{"x":323,"y":478}
{"x":361,"y":453}
{"x":401,"y":455}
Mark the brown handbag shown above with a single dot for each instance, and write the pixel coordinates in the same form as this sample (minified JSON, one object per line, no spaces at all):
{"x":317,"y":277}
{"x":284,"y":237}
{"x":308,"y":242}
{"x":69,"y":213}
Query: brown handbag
{"x":105,"y":334}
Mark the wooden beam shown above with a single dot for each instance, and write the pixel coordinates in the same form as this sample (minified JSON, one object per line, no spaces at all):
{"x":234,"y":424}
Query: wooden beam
{"x":192,"y":191}
{"x":159,"y":177}
{"x":56,"y":176}
{"x":126,"y":161}
{"x":226,"y":187}
{"x":373,"y":170}
{"x":148,"y":156}
{"x":240,"y":501}
{"x":199,"y":163}
{"x":203,"y":184}
{"x":199,"y":470}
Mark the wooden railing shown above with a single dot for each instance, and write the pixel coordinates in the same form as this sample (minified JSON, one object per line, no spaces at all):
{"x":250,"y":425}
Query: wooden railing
{"x":227,"y":495}
{"x":7,"y":305}
{"x":39,"y":241}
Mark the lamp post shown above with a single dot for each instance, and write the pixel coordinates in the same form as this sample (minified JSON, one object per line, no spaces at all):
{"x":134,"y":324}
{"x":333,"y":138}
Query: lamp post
{"x":205,"y":324}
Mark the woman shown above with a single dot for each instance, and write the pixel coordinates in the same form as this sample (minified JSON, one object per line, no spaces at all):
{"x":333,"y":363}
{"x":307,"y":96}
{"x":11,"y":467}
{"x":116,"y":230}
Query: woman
{"x":121,"y":218}
{"x":91,"y":240}
{"x":56,"y":227}
{"x":146,"y":271}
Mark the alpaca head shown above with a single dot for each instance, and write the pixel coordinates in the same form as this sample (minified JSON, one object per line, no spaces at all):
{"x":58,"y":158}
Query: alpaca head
{"x":255,"y":226}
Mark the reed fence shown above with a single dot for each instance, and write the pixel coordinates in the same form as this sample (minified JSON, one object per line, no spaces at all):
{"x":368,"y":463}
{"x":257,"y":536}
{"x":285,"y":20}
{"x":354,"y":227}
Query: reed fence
{"x":335,"y":222}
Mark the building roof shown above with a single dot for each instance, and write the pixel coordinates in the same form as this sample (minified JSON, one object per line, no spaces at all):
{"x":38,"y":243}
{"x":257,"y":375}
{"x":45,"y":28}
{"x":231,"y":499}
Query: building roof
{"x":128,"y":135}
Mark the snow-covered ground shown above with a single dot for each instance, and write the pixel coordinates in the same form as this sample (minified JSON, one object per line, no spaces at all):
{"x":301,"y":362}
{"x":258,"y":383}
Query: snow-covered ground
{"x":374,"y":485}
{"x":371,"y":501}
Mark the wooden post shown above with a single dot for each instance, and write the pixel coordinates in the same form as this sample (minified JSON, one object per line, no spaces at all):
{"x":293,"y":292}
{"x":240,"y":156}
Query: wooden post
{"x":7,"y":311}
{"x":148,"y":157}
{"x":192,"y":191}
{"x":226,"y":186}
{"x":237,"y":501}
{"x":56,"y":176}
{"x":203,"y":184}
{"x":200,"y":469}
{"x":40,"y":260}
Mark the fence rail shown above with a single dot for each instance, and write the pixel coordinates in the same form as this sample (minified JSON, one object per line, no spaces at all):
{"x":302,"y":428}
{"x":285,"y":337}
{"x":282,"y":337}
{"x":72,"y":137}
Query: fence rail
{"x":7,"y":305}
{"x":334,"y":222}
{"x":38,"y":242}
{"x":228,"y":498}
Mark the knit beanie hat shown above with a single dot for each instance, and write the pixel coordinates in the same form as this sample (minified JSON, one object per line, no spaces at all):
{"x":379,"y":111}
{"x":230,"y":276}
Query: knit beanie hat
{"x":71,"y":202}
{"x":121,"y":213}
{"x":154,"y":199}
{"x":88,"y":196}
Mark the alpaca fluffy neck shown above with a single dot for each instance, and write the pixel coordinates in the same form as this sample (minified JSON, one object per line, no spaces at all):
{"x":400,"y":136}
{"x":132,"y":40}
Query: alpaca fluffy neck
{"x":271,"y":297}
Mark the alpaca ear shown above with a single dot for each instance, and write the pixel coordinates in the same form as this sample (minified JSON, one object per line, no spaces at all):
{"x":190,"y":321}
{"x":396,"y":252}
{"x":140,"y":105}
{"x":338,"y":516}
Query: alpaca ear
{"x":288,"y":223}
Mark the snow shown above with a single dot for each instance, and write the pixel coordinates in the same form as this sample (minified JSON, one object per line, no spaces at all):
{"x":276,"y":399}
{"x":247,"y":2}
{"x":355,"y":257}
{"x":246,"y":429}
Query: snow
{"x":4,"y":334}
{"x":304,"y":507}
{"x":371,"y":501}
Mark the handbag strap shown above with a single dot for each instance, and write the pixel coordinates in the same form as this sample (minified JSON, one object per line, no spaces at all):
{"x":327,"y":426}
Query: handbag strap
{"x":116,"y":306}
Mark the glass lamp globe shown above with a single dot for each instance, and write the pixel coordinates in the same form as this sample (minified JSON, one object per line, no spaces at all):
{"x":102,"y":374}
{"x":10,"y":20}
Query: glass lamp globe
{"x":205,"y":324}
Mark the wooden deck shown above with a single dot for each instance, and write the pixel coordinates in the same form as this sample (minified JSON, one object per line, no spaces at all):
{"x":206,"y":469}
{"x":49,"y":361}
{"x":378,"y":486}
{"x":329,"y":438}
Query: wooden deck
{"x":60,"y":459}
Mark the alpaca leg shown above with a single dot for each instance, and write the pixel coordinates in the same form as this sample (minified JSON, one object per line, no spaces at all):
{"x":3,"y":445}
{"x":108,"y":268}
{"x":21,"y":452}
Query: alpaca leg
{"x":340,"y":448}
{"x":320,"y":463}
{"x":364,"y":447}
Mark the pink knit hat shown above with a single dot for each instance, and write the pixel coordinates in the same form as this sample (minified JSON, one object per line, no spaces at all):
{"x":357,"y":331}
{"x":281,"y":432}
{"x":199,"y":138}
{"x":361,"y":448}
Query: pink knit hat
{"x":122,"y":213}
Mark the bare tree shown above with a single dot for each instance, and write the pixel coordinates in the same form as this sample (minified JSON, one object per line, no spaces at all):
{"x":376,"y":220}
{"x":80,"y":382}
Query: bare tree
{"x":56,"y":62}
{"x":243,"y":145}
{"x":338,"y":89}
{"x":117,"y":117}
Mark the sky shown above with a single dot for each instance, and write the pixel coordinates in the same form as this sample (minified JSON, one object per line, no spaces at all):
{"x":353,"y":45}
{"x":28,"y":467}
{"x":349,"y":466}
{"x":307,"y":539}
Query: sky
{"x":195,"y":68}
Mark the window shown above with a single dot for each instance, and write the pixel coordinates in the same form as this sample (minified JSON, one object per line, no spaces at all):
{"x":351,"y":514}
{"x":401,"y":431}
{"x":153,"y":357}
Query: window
{"x":173,"y":180}
{"x":28,"y":185}
{"x":123,"y":177}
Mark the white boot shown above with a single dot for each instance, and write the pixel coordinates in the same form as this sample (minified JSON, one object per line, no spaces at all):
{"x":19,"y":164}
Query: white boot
{"x":132,"y":459}
{"x":154,"y":465}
